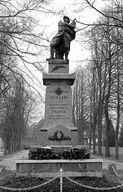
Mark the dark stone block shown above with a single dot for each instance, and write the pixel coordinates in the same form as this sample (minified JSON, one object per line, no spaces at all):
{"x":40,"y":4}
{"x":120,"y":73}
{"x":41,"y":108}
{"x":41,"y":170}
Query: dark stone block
{"x":57,"y":61}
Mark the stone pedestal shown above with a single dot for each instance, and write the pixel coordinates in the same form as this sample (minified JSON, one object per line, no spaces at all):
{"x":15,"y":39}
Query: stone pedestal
{"x":58,"y":66}
{"x":58,"y":131}
{"x":59,"y":128}
{"x":51,"y":168}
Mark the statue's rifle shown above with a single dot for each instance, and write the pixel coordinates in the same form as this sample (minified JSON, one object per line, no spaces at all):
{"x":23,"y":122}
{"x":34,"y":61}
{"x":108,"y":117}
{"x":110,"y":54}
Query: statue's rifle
{"x":75,"y":20}
{"x":79,"y":29}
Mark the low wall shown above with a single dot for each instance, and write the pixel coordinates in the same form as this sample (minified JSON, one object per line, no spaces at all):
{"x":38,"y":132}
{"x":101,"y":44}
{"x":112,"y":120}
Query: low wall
{"x":50,"y":168}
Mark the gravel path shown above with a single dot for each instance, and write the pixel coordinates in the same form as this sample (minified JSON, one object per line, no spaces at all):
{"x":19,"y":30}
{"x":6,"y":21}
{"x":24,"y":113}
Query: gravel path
{"x":107,"y":162}
{"x":10,"y":161}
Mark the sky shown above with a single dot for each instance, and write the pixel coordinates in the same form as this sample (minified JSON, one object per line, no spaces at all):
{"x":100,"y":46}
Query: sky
{"x":78,"y":52}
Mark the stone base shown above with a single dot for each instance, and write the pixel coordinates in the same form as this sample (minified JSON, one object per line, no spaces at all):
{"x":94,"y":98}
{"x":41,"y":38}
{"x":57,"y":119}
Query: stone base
{"x":50,"y":168}
{"x":58,"y":135}
{"x":57,"y":61}
{"x":58,"y":68}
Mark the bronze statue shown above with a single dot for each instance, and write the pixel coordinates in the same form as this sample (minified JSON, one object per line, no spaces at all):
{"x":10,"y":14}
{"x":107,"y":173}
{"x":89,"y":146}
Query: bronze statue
{"x":60,"y":44}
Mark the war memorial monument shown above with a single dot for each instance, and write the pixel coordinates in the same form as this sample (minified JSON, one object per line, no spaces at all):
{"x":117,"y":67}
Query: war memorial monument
{"x":59,"y":127}
{"x":59,"y":132}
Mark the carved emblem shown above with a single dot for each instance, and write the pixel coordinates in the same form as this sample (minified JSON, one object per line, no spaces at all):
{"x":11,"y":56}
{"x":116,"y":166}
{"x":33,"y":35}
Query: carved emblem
{"x":58,"y":91}
{"x":59,"y":136}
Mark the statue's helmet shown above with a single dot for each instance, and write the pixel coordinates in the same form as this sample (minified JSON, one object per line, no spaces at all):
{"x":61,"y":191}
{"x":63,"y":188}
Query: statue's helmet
{"x":65,"y":17}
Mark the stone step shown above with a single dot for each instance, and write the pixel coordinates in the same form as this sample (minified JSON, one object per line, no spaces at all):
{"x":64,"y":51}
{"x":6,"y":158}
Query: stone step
{"x":50,"y":168}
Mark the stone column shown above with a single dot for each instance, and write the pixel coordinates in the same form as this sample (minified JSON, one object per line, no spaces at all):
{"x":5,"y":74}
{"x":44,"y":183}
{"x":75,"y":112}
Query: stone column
{"x":58,"y":128}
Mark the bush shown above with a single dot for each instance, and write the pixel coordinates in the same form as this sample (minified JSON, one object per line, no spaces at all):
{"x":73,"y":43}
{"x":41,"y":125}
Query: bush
{"x":43,"y":153}
{"x":76,"y":153}
{"x":48,"y":153}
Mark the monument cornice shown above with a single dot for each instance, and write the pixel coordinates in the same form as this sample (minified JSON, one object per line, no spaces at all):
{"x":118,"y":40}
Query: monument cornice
{"x":49,"y":78}
{"x":58,"y":61}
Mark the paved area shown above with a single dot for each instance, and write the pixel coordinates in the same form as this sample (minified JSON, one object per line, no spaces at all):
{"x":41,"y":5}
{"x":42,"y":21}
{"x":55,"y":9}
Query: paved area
{"x":106,"y":163}
{"x":10,"y":161}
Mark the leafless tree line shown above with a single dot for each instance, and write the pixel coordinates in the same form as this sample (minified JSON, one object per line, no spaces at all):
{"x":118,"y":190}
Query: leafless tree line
{"x":19,"y":41}
{"x":101,"y":83}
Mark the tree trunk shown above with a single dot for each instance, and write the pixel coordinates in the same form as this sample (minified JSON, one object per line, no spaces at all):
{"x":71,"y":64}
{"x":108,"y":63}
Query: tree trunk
{"x":94,"y":134}
{"x":100,"y":109}
{"x":100,"y":127}
{"x":107,"y":135}
{"x":118,"y":114}
{"x":94,"y":140}
{"x":116,"y":145}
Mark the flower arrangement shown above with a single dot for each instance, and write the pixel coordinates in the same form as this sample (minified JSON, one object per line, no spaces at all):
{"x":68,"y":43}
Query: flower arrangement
{"x":59,"y":136}
{"x":48,"y":153}
{"x":76,"y":153}
{"x":43,"y":153}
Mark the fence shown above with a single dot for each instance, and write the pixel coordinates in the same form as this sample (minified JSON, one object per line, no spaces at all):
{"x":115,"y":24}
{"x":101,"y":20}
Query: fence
{"x":61,"y":175}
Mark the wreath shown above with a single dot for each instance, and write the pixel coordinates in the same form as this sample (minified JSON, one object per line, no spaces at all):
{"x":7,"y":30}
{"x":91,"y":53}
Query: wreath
{"x":59,"y":136}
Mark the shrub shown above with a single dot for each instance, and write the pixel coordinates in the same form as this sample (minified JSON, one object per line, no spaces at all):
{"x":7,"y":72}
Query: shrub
{"x":76,"y":153}
{"x":48,"y":153}
{"x":43,"y":153}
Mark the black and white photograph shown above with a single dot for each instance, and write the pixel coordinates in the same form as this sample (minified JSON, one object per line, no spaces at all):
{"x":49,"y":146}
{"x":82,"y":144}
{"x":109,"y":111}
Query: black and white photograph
{"x":61,"y":95}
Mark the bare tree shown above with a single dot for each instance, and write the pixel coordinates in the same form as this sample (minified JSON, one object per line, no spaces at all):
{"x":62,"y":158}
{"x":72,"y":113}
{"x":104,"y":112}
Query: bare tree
{"x":17,"y":107}
{"x":81,"y":102}
{"x":107,"y":58}
{"x":21,"y":38}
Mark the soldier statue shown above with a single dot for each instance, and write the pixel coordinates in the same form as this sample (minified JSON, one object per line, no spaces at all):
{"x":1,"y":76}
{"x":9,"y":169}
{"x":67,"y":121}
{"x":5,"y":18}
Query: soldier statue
{"x":60,"y":44}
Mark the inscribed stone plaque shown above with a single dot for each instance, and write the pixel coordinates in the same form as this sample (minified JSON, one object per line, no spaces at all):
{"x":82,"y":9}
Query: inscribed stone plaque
{"x":58,"y":102}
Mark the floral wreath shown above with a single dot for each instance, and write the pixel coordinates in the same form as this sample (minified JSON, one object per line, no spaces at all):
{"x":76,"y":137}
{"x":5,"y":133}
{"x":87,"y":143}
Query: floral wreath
{"x":59,"y":136}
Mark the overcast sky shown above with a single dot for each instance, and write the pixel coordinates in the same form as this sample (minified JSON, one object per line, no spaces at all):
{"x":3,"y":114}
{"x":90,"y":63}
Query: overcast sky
{"x":78,"y":52}
{"x":69,"y":7}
